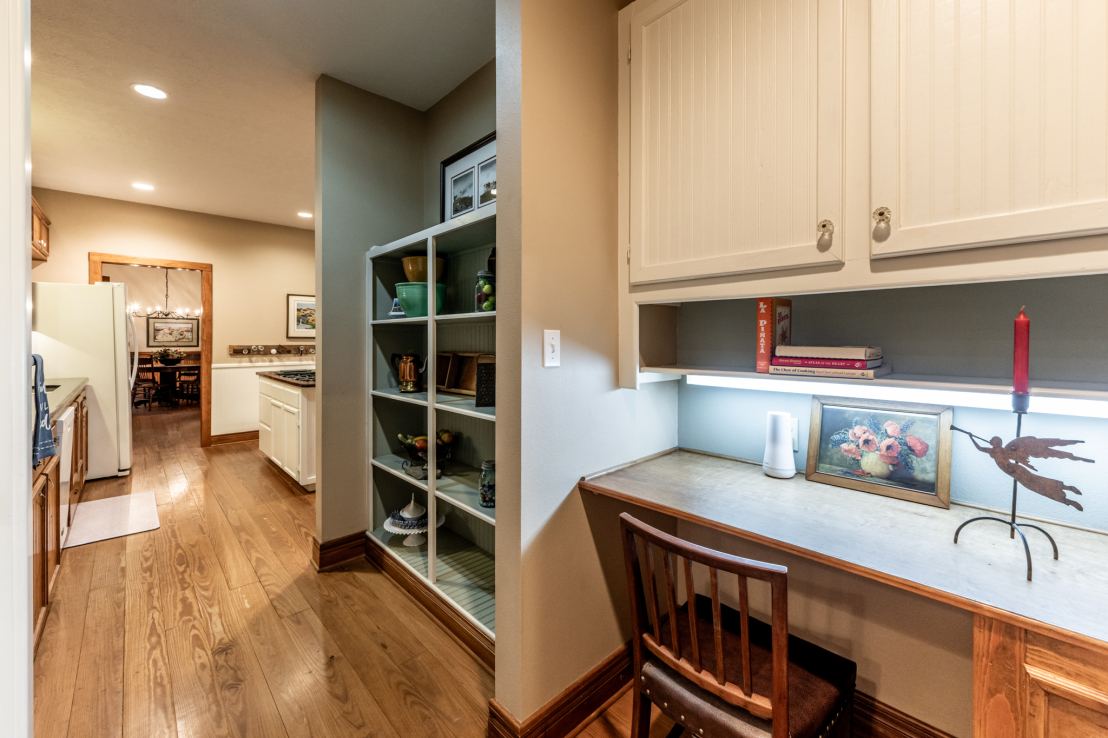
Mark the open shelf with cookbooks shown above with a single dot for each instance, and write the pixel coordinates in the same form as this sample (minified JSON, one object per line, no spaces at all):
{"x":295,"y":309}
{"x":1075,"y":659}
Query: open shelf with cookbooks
{"x":431,"y":380}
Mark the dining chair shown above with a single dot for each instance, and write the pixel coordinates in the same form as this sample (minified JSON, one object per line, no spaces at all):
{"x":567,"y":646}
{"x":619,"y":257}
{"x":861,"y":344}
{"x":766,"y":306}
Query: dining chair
{"x":143,"y":391}
{"x":719,"y":672}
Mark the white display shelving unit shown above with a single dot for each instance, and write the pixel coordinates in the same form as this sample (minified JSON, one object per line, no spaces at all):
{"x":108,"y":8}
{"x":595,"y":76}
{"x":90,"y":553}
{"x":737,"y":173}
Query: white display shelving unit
{"x":459,"y":558}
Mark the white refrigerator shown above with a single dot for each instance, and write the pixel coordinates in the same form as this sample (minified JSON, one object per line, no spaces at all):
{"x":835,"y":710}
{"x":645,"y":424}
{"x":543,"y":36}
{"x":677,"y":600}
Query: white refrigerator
{"x":83,"y":330}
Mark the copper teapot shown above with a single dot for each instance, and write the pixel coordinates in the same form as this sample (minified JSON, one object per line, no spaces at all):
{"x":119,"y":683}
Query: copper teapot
{"x":407,"y":371}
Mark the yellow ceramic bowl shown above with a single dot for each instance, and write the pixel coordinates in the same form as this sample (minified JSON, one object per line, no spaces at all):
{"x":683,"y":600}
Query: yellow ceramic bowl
{"x":415,"y":268}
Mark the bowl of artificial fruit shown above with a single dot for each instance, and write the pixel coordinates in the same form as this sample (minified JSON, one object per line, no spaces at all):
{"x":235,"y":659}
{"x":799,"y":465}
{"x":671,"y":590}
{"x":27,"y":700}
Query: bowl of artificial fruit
{"x":416,"y":448}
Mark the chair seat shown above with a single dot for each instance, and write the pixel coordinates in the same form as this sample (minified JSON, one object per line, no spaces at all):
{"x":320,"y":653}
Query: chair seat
{"x":821,"y":683}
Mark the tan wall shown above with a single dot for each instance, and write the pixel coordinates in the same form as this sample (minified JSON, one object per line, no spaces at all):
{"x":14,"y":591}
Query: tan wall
{"x":254,"y":265}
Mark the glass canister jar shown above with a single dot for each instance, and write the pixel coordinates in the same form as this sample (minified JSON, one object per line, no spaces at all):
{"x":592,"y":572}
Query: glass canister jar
{"x":487,"y":484}
{"x":484,"y":300}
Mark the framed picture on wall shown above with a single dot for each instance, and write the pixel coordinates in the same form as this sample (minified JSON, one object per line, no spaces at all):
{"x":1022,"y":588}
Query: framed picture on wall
{"x":461,"y":193}
{"x":896,"y":449}
{"x":300,"y":318}
{"x":486,"y":182}
{"x":176,"y":332}
{"x":480,"y":157}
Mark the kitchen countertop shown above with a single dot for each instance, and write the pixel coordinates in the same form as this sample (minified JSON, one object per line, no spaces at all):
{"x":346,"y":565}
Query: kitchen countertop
{"x":67,"y":391}
{"x":277,"y":378}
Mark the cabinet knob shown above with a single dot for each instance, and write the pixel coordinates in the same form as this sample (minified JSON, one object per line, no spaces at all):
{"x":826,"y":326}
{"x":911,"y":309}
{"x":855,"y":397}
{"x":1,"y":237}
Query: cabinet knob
{"x":883,"y":214}
{"x":825,"y":227}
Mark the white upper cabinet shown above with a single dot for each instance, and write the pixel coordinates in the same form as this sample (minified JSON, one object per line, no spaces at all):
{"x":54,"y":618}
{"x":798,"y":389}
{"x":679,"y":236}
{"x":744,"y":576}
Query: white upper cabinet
{"x":736,"y":136}
{"x":989,"y":122}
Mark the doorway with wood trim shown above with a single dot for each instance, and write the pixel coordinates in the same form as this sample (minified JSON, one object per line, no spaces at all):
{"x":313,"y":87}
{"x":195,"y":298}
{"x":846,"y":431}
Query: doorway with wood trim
{"x":96,"y":262}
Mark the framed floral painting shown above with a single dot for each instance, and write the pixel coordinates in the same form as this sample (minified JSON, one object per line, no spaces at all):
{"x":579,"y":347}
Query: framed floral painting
{"x":896,"y":449}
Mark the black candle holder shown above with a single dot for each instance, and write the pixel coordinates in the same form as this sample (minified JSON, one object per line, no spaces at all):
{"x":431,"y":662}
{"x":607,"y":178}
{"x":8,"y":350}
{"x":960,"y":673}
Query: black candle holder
{"x":1020,"y":404}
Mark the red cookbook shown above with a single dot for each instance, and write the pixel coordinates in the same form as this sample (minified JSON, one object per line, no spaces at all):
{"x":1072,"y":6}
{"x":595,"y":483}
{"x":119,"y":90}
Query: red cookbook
{"x":775,"y":328}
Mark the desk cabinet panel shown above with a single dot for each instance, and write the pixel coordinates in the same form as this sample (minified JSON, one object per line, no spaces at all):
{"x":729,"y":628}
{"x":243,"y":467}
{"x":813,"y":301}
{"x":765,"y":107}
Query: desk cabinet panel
{"x":1027,"y":685}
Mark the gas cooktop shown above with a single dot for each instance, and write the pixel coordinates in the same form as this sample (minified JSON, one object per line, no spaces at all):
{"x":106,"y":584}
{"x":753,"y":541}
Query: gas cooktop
{"x":303,"y":376}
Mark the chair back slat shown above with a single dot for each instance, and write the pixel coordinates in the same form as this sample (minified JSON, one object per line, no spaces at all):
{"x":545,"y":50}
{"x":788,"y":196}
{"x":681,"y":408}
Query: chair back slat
{"x":717,"y":625}
{"x":651,"y":595}
{"x":671,"y":602}
{"x":642,"y":589}
{"x":690,"y":594}
{"x":744,"y":616}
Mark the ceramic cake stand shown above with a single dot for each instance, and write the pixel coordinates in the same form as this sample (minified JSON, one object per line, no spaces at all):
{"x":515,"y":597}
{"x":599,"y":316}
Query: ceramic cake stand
{"x":415,"y":536}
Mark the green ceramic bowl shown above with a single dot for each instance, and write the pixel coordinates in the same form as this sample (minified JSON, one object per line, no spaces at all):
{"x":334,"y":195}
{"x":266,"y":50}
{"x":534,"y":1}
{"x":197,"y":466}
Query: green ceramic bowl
{"x":413,"y":298}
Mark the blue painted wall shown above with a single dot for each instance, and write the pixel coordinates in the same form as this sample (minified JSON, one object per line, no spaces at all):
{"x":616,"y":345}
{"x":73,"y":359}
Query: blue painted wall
{"x":733,"y":422}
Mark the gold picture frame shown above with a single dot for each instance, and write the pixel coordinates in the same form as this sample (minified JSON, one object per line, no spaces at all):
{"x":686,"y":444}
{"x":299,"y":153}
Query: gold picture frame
{"x":866,"y":445}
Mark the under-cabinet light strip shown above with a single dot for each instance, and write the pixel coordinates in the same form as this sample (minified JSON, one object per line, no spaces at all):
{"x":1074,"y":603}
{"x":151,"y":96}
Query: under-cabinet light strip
{"x":1086,"y":408}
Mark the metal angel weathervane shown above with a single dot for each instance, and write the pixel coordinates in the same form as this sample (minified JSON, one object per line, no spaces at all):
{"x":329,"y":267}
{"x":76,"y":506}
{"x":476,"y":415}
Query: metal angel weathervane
{"x":1014,"y":458}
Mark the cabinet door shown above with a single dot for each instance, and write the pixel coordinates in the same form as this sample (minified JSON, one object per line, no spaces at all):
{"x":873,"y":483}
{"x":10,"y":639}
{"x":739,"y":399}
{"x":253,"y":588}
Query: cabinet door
{"x":736,"y":136}
{"x":38,"y":554}
{"x":53,"y":524}
{"x":265,"y":425}
{"x":988,"y":122}
{"x":277,"y":416}
{"x":291,"y":463}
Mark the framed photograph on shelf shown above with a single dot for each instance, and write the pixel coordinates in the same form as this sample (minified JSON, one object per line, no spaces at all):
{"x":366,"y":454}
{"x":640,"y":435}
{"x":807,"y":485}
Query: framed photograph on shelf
{"x":300,"y":318}
{"x":461,"y":193}
{"x":896,"y":449}
{"x":173,"y":332}
{"x":479,"y":160}
{"x":486,"y":182}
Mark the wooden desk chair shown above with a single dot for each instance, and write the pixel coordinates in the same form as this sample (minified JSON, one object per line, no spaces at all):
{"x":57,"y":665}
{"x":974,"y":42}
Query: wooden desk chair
{"x":143,"y":391}
{"x":718,"y":672}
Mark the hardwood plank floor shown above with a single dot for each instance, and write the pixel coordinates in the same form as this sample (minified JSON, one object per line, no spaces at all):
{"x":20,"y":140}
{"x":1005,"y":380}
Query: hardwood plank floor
{"x":216,"y":624}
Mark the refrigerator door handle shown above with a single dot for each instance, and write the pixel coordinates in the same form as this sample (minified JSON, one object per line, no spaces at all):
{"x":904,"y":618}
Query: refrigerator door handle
{"x":134,"y":337}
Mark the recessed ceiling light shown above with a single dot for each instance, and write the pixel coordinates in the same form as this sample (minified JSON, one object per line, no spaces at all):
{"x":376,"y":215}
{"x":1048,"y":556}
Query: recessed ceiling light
{"x":305,"y":215}
{"x":149,"y":91}
{"x":141,"y":186}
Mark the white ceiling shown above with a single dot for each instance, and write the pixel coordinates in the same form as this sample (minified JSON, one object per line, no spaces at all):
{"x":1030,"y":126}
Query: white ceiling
{"x":236,"y":135}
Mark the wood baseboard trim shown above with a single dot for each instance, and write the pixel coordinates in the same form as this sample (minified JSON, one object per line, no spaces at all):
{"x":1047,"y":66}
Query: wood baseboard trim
{"x":338,"y":550}
{"x":875,"y":719}
{"x":578,"y":704}
{"x":234,"y":438}
{"x":477,"y":641}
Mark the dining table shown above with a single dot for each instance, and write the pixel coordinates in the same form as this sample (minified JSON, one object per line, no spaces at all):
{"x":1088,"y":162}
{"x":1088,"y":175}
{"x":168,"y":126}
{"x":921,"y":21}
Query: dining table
{"x":167,"y":377}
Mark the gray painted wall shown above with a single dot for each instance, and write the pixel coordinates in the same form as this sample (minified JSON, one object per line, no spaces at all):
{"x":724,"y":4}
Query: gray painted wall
{"x":369,"y":190}
{"x":962,"y":330}
{"x":465,"y":115}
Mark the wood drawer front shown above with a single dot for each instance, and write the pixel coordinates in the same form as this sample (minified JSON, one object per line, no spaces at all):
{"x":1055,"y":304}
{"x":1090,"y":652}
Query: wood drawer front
{"x":286,"y":395}
{"x":988,"y":123}
{"x":736,"y":136}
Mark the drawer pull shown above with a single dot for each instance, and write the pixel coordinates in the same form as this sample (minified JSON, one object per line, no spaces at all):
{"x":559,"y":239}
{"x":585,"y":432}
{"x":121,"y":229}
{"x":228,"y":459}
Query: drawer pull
{"x":825,"y":227}
{"x":883,"y":214}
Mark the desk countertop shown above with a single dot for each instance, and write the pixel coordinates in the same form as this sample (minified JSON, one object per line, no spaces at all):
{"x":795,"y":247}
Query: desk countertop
{"x":67,"y":392}
{"x":904,"y":544}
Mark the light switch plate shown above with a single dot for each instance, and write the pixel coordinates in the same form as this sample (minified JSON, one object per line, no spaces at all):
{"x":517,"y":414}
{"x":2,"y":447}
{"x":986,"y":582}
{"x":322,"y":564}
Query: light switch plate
{"x":551,"y":348}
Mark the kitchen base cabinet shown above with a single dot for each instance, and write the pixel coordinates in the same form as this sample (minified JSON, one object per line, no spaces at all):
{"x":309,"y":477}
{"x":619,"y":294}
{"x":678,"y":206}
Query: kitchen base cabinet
{"x":45,"y":542}
{"x":286,"y":428}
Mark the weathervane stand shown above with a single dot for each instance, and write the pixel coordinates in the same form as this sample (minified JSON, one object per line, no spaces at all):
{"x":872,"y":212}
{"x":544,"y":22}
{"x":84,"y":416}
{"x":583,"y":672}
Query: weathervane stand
{"x":1019,"y":407}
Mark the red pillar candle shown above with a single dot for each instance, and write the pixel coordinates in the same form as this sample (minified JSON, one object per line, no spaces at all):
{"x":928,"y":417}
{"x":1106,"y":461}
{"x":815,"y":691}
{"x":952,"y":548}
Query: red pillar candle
{"x":1019,"y":358}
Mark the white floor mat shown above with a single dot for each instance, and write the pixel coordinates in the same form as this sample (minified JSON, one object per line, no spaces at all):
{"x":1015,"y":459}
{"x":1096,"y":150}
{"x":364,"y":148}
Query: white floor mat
{"x":99,"y":520}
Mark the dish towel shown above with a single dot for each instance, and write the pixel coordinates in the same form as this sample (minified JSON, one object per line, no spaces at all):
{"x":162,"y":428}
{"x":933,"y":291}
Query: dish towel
{"x":42,"y":444}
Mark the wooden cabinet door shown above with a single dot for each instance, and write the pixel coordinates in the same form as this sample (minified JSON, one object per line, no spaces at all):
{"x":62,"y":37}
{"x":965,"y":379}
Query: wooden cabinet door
{"x":40,"y":232}
{"x":53,"y":524}
{"x":291,"y":461}
{"x":38,"y":556}
{"x":736,"y":136}
{"x":988,"y":122}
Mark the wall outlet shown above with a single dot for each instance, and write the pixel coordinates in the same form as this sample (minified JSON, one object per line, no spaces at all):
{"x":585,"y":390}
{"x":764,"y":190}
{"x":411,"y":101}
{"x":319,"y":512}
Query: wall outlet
{"x":551,"y":348}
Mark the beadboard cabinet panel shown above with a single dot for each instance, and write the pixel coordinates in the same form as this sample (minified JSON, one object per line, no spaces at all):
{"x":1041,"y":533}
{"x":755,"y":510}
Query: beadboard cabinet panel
{"x":989,"y":122}
{"x":736,"y":127}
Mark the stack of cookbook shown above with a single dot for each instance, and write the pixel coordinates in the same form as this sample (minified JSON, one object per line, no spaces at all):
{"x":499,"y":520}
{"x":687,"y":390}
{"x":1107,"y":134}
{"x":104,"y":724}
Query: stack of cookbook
{"x":847,"y":362}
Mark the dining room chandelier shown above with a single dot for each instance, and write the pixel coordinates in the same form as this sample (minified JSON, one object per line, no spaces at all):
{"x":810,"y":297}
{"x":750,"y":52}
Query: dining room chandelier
{"x":167,"y":313}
